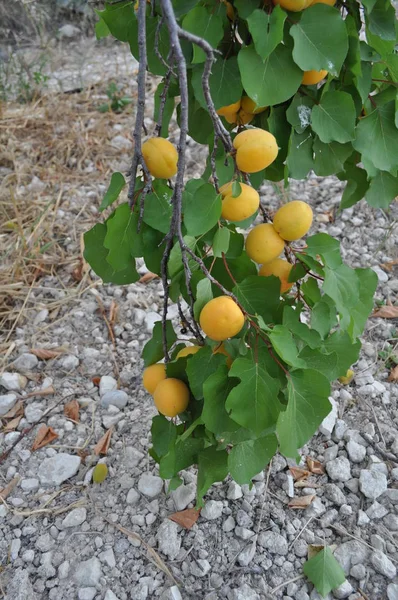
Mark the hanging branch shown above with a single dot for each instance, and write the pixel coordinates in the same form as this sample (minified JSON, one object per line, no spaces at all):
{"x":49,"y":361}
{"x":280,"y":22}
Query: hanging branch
{"x":163,"y":97}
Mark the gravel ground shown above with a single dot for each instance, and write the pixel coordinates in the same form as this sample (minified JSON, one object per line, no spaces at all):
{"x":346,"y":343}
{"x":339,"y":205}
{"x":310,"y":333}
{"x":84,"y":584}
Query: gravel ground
{"x":63,"y":537}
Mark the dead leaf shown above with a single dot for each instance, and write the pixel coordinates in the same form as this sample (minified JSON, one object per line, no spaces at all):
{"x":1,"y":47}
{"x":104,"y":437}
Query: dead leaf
{"x":77,"y":272}
{"x":44,"y":436}
{"x":48,"y":391}
{"x":102,"y":446}
{"x":305,"y":483}
{"x":298,"y":473}
{"x":302,"y":501}
{"x":147,"y":277}
{"x":113,"y":313}
{"x":96,"y":380}
{"x":386,"y":312}
{"x":9,"y":487}
{"x":315,"y":466}
{"x":393,"y":376}
{"x":12,"y":425}
{"x":15,"y":411}
{"x":388,"y":266}
{"x":47,"y":353}
{"x":83,"y":455}
{"x":185,"y":518}
{"x":314,"y":549}
{"x":71,"y":410}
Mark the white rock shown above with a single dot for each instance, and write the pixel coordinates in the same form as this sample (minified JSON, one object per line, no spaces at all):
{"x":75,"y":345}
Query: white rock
{"x":63,"y":570}
{"x":76,"y":517}
{"x":150,"y":319}
{"x":20,"y":587}
{"x":87,"y":593}
{"x":132,"y":497}
{"x":3,"y":511}
{"x":109,"y":595}
{"x":243,"y":533}
{"x":183,"y":495}
{"x":372,"y":483}
{"x":343,"y":591}
{"x":28,"y":556}
{"x":339,"y":469}
{"x":69,"y":31}
{"x":57,"y":469}
{"x":234,"y":491}
{"x":172,"y":593}
{"x":150,"y":485}
{"x":169,"y":542}
{"x":362,"y":519}
{"x":328,"y":423}
{"x":356,"y":452}
{"x":274,"y":542}
{"x":121,"y":143}
{"x":13,"y":382}
{"x":382,"y":564}
{"x":116,"y":398}
{"x":7,"y":401}
{"x":212,"y":510}
{"x":36,"y":185}
{"x":229,"y":524}
{"x":33,"y":412}
{"x":244,"y":592}
{"x":392,"y":591}
{"x":340,"y":429}
{"x":247,"y":554}
{"x":30,"y":484}
{"x":376,"y":511}
{"x":200,"y":567}
{"x":351,"y":553}
{"x":108,"y":557}
{"x":88,"y":572}
{"x":381,"y":275}
{"x":375,"y":464}
{"x":25,"y":362}
{"x":69,"y":362}
{"x":15,"y":547}
{"x":41,"y":316}
{"x":107,"y":384}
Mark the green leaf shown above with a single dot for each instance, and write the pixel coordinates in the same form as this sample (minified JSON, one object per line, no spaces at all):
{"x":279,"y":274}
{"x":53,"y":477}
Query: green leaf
{"x":200,"y":366}
{"x":254,"y":402}
{"x":299,"y":112}
{"x":367,"y":282}
{"x":321,"y":362}
{"x":333,"y":119}
{"x":212,"y":467}
{"x":250,"y":457}
{"x":262,"y":80}
{"x":225,"y":84}
{"x":245,"y":7}
{"x":95,"y":253}
{"x":202,"y":210}
{"x":382,"y":190}
{"x":291,"y":320}
{"x":221,"y":241}
{"x":153,"y":349}
{"x":382,"y":20}
{"x":266,"y":30}
{"x":236,"y":189}
{"x":122,"y":239}
{"x":308,"y":405}
{"x":379,"y":127}
{"x":157,"y":208}
{"x":347,"y":352}
{"x":320,"y":39}
{"x":206,"y":25}
{"x":167,"y":112}
{"x":323,"y":317}
{"x":341,"y":284}
{"x":324,"y":571}
{"x":285,"y":346}
{"x":155,"y":65}
{"x":101,"y":28}
{"x":327,"y":247}
{"x":175,"y":266}
{"x":259,"y":295}
{"x":215,"y":391}
{"x":164,"y":433}
{"x":181,"y":7}
{"x":357,"y":184}
{"x":300,"y":157}
{"x":240,"y":268}
{"x":120,"y":20}
{"x":330,"y":158}
{"x":203,"y":295}
{"x":182,"y":455}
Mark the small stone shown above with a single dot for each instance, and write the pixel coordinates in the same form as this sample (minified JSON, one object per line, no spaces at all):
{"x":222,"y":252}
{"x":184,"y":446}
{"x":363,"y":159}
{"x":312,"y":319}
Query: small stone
{"x":107,"y":384}
{"x":7,"y":402}
{"x":356,"y":452}
{"x":212,"y":510}
{"x":20,"y":587}
{"x":343,"y":591}
{"x":63,"y":570}
{"x":25,"y":362}
{"x":330,"y":453}
{"x":328,"y":423}
{"x":229,"y":524}
{"x":172,"y":593}
{"x":169,"y":542}
{"x":351,"y":553}
{"x":69,"y":362}
{"x":108,"y":557}
{"x":87,"y":593}
{"x":121,"y":143}
{"x":372,"y":483}
{"x":15,"y":547}
{"x":391,"y":522}
{"x":377,"y":542}
{"x":88,"y":572}
{"x":339,"y":469}
{"x":392,"y":591}
{"x":273,"y":542}
{"x":30,"y":484}
{"x":184,"y":495}
{"x":394,"y":475}
{"x":13,"y":382}
{"x":392,"y":494}
{"x":76,"y":517}
{"x":44,"y":542}
{"x":247,"y":555}
{"x":381,"y":275}
{"x":33,"y":412}
{"x":333,"y":493}
{"x":243,"y":533}
{"x":376,"y":511}
{"x":150,"y":485}
{"x":28,"y":556}
{"x":362,"y":519}
{"x":339,"y":429}
{"x":200,"y":567}
{"x":244,"y":592}
{"x":375,"y":464}
{"x":116,"y":398}
{"x":133,"y":497}
{"x":150,"y":319}
{"x":234,"y":491}
{"x":69,"y":31}
{"x":55,"y":470}
{"x":382,"y":564}
{"x":358,"y":572}
{"x":109,"y":595}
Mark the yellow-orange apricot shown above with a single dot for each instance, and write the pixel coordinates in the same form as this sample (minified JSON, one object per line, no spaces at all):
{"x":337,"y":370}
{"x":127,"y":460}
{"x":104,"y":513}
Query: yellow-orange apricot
{"x":256,"y":150}
{"x":152,"y":376}
{"x":313,"y":77}
{"x":171,"y":397}
{"x":280,"y":268}
{"x":243,"y":206}
{"x":263,"y":243}
{"x":293,"y":220}
{"x":249,"y":106}
{"x":188,"y":350}
{"x":221,"y":318}
{"x":160,"y":157}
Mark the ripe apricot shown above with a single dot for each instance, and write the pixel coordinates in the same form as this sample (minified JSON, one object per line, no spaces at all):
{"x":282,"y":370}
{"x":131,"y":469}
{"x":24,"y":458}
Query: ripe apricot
{"x":171,"y":397}
{"x":263,"y":243}
{"x":313,"y":77}
{"x":221,"y":350}
{"x":221,"y":318}
{"x":160,"y":157}
{"x":243,"y":117}
{"x":256,"y":149}
{"x":152,"y":376}
{"x":280,"y":268}
{"x":243,"y":206}
{"x":188,"y":350}
{"x":293,"y":5}
{"x":249,"y":106}
{"x":329,"y":2}
{"x":293,"y":220}
{"x":230,"y":112}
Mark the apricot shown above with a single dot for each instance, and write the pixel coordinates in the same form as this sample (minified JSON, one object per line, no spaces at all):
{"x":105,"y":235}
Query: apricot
{"x":230,"y":112}
{"x":221,"y":350}
{"x":347,"y":378}
{"x":263,"y":243}
{"x":152,"y":376}
{"x":243,"y":206}
{"x":161,"y":157}
{"x":249,"y":106}
{"x":280,"y":268}
{"x":329,"y":2}
{"x":293,"y":5}
{"x":256,"y":150}
{"x":313,"y":77}
{"x":293,"y":220}
{"x":243,"y":117}
{"x":221,"y":318}
{"x":188,"y":350}
{"x":171,"y":397}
